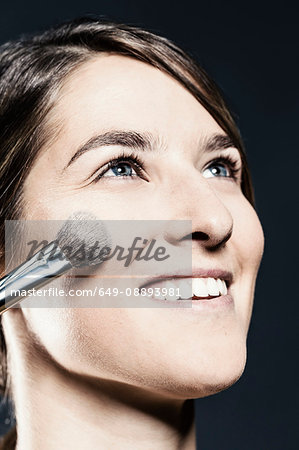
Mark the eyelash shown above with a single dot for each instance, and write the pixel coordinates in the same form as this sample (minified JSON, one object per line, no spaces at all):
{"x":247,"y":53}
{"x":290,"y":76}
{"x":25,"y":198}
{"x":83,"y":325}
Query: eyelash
{"x":230,"y":162}
{"x":136,"y":161}
{"x":138,"y":164}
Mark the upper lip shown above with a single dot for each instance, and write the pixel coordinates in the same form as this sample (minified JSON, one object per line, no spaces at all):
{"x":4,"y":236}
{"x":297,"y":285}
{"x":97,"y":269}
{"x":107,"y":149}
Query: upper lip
{"x":225,"y":275}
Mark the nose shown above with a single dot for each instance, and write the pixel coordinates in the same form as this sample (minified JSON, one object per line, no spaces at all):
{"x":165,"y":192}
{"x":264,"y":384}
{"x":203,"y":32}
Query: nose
{"x":208,"y":219}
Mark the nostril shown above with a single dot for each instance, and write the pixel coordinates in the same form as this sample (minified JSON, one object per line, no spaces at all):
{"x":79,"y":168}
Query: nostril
{"x":200,"y":235}
{"x":217,"y":245}
{"x":197,"y":235}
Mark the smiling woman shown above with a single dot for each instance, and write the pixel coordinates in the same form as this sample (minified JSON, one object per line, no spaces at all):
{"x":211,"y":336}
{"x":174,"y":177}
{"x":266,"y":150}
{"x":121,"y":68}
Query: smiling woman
{"x":123,"y":122}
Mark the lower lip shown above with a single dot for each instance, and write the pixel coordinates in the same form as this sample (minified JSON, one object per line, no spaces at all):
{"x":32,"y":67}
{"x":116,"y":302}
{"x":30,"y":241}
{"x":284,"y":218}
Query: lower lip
{"x":212,"y":304}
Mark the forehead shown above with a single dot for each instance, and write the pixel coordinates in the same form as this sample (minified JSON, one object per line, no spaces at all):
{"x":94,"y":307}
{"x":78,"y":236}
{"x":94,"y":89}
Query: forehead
{"x":116,"y":91}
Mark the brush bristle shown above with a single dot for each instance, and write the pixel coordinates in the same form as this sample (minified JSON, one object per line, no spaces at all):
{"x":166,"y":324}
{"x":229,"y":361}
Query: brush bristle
{"x":81,"y":239}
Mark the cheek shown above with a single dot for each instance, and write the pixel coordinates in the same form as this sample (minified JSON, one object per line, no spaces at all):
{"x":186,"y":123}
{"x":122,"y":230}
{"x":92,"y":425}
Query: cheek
{"x":90,"y":341}
{"x":249,"y":237}
{"x":248,"y":243}
{"x":53,"y":202}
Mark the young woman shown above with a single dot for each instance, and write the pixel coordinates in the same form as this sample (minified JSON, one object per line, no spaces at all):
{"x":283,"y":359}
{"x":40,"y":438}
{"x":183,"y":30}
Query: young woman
{"x":123,"y":377}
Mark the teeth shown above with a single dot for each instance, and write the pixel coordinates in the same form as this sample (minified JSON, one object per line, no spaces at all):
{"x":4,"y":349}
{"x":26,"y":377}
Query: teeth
{"x":203,"y":287}
{"x":225,"y":287}
{"x":222,"y":286}
{"x":159,"y":296}
{"x":188,"y":287}
{"x":185,"y":289}
{"x":212,"y":286}
{"x":170,"y":285}
{"x":199,"y":287}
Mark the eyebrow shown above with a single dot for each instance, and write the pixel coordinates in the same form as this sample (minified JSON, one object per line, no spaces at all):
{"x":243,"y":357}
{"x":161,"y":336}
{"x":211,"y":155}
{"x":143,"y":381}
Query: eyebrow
{"x":145,"y":141}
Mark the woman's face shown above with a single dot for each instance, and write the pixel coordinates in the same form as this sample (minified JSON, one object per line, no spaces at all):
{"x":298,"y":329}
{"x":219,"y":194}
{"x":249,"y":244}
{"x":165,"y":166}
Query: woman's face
{"x":181,"y":352}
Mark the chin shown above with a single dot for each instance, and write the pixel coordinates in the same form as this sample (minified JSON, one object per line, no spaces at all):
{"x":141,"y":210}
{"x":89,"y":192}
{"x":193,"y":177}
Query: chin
{"x":216,"y":382}
{"x":206,"y":376}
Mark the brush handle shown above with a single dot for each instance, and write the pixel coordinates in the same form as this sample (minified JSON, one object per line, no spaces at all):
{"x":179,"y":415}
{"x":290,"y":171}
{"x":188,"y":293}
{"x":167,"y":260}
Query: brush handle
{"x":46,"y":265}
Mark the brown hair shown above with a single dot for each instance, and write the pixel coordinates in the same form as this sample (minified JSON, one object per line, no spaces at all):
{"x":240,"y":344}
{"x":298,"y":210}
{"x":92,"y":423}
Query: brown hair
{"x":31,"y":72}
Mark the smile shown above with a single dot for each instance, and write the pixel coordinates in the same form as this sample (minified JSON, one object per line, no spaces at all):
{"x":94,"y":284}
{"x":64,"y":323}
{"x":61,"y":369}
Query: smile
{"x":202,"y":288}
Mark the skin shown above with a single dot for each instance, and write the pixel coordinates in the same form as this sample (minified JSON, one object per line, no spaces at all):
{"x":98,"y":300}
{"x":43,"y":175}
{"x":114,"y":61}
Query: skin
{"x":107,"y":377}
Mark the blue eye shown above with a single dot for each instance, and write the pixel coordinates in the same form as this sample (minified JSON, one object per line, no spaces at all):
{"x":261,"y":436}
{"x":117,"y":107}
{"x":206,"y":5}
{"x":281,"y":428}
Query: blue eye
{"x":224,"y":167}
{"x":124,"y":166}
{"x":120,"y":169}
{"x":216,"y":170}
{"x":131,"y":166}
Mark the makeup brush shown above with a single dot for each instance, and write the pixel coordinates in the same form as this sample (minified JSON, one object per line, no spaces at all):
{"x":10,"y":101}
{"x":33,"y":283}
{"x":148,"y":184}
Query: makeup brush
{"x":74,"y":246}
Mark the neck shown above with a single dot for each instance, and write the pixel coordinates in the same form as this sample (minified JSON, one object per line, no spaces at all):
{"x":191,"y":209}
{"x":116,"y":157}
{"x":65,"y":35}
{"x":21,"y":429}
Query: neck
{"x":57,"y":409}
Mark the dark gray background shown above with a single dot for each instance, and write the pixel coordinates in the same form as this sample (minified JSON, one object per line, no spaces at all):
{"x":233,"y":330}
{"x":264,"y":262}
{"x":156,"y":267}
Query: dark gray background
{"x":251,"y":50}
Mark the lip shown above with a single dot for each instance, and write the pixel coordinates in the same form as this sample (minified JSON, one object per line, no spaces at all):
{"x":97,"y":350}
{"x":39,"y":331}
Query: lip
{"x":225,"y":275}
{"x":223,"y":302}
